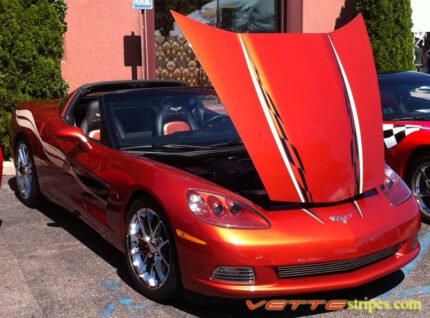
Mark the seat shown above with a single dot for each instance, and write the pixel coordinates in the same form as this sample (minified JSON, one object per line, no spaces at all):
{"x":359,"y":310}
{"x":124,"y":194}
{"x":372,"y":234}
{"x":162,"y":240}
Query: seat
{"x":138,"y":121}
{"x":91,"y":123}
{"x":199,"y":113}
{"x":175,"y":117}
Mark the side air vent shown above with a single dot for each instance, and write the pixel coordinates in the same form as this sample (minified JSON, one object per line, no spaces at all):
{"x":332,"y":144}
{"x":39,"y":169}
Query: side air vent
{"x":241,"y":275}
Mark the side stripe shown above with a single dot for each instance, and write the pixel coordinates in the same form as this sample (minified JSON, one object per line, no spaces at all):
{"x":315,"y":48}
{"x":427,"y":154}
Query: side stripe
{"x":24,"y":118}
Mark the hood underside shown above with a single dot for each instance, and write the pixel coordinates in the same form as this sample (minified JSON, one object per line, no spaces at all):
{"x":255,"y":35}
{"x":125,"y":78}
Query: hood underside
{"x":306,"y":106}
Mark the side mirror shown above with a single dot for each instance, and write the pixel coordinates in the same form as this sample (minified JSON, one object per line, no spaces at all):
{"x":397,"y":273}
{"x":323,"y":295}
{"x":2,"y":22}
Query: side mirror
{"x":74,"y":134}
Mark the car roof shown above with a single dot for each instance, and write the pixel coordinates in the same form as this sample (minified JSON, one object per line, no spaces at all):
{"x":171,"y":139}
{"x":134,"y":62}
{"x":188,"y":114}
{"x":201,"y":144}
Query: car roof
{"x":403,"y":75}
{"x":111,"y":86}
{"x":178,"y":89}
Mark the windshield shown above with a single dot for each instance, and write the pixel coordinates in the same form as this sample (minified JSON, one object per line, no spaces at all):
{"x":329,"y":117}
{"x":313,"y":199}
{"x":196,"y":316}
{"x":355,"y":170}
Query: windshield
{"x":176,"y":118}
{"x":405,"y":98}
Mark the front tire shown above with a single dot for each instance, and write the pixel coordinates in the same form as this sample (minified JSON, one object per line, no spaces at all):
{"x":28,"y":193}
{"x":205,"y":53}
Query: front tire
{"x":151,"y":252}
{"x":26,"y":176}
{"x":419,"y":181}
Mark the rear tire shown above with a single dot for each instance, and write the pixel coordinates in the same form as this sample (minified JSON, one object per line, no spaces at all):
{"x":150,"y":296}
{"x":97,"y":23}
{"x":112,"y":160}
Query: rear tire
{"x":150,"y":252}
{"x":418,"y":180}
{"x":26,"y":175}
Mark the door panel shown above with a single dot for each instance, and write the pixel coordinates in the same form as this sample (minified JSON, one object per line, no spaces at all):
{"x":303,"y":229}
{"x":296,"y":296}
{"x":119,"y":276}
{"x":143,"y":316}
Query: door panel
{"x":73,"y":178}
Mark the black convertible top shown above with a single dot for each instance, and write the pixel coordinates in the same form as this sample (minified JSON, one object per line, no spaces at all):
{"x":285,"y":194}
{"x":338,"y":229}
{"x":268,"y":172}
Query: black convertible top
{"x":112,"y":86}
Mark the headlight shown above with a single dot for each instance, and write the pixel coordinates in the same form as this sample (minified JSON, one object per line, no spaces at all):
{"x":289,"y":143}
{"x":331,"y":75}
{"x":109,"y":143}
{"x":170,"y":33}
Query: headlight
{"x":221,"y":211}
{"x":394,"y":188}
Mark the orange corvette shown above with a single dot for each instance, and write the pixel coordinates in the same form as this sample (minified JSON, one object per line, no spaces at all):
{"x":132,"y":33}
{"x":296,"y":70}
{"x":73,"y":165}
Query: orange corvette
{"x":280,"y":189}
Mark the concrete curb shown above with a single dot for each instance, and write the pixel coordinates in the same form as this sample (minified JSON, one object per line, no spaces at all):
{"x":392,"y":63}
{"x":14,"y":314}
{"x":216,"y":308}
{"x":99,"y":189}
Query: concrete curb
{"x":8,"y":168}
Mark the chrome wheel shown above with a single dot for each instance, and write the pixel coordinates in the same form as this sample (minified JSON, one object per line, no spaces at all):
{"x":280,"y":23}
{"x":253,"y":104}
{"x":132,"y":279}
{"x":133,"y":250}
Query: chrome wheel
{"x":24,"y":171}
{"x":421,"y":187}
{"x":148,"y":248}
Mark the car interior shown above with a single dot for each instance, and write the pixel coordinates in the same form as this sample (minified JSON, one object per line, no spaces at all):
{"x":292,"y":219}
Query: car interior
{"x":153,"y":116}
{"x":91,"y":123}
{"x":398,"y":100}
{"x":86,"y":115}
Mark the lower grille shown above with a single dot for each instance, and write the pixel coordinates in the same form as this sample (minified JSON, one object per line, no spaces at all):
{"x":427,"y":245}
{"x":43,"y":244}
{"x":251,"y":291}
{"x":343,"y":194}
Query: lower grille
{"x":334,"y":267}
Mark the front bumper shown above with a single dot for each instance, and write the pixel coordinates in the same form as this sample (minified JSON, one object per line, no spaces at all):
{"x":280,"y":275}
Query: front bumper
{"x":307,"y":242}
{"x":277,"y":286}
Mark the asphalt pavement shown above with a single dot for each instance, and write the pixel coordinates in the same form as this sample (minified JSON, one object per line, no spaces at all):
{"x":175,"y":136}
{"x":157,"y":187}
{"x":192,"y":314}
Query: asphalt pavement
{"x":54,"y":265}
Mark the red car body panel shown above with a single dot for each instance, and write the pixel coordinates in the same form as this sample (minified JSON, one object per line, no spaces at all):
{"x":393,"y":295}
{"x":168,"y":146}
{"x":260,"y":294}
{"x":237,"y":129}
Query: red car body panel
{"x":256,"y":79}
{"x":98,"y":183}
{"x":288,"y":242}
{"x":399,"y":156}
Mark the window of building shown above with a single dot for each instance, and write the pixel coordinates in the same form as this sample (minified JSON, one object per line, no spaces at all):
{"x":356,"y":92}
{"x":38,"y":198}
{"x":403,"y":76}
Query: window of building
{"x":174,"y":57}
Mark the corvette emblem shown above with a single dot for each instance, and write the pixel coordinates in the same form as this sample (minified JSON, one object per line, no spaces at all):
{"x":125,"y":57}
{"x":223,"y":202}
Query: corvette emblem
{"x":176,"y":109}
{"x":344,"y":219}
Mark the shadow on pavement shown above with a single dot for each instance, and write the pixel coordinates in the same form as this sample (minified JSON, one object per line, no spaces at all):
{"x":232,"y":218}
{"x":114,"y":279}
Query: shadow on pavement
{"x":84,"y":233}
{"x":216,"y":307}
{"x":234,"y":309}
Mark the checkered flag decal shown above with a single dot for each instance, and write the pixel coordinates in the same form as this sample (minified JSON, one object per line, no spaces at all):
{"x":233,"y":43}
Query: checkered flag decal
{"x":394,"y":134}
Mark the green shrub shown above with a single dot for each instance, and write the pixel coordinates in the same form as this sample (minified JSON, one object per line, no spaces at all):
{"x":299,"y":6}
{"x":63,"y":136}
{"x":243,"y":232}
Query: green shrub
{"x":31,"y":48}
{"x":389,"y":23}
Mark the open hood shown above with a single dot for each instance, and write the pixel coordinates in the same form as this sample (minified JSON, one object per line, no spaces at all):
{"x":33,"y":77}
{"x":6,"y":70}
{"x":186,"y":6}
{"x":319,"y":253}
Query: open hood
{"x":306,"y":106}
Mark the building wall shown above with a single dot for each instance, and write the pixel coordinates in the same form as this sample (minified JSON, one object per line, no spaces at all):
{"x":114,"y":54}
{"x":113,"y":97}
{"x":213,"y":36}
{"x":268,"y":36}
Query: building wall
{"x":326,"y":15}
{"x":94,"y":41}
{"x":294,"y":14}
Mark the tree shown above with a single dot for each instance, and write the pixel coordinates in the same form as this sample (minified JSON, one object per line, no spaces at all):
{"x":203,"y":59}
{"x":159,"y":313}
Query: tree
{"x":389,"y":24}
{"x":31,"y":49}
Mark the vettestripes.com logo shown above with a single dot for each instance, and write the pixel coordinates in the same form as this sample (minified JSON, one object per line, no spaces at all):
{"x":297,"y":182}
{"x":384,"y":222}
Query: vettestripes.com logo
{"x":333,"y":305}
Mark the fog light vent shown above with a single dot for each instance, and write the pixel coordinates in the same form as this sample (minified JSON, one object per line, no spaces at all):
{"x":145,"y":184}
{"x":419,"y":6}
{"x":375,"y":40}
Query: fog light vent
{"x":241,"y":275}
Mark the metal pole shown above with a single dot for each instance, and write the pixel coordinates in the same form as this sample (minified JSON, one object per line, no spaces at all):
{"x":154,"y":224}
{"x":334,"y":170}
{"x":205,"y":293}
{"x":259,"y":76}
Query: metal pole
{"x":217,"y":13}
{"x":144,"y":44}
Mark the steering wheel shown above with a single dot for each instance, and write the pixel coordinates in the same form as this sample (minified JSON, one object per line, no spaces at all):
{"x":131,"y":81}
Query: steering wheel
{"x":216,"y":121}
